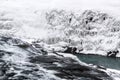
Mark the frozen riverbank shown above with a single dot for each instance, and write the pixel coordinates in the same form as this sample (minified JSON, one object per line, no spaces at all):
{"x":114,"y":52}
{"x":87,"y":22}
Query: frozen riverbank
{"x":21,"y":60}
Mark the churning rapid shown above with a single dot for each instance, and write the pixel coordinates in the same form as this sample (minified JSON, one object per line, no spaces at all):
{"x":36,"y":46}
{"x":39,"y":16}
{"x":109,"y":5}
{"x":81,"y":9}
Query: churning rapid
{"x":57,"y":44}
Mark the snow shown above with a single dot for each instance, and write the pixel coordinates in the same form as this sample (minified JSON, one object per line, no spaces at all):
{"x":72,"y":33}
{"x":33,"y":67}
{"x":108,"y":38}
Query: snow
{"x":30,"y":23}
{"x":29,"y":15}
{"x":114,"y":73}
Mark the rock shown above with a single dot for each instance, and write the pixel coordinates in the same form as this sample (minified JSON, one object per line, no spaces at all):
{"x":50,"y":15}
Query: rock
{"x":44,"y":52}
{"x":71,"y":50}
{"x":112,"y":53}
{"x":10,"y":74}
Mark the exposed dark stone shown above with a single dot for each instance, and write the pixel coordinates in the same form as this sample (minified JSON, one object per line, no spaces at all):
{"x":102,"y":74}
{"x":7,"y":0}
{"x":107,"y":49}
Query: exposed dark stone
{"x":70,"y":50}
{"x":112,"y":53}
{"x":1,"y":54}
{"x":5,"y":39}
{"x":44,"y":52}
{"x":104,"y":18}
{"x":23,"y":45}
{"x":70,"y":20}
{"x":91,"y":18}
{"x":37,"y":45}
{"x":5,"y":66}
{"x":10,"y":74}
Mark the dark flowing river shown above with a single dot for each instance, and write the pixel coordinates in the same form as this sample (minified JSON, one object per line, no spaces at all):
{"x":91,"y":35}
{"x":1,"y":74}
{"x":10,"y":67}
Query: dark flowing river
{"x":107,"y":62}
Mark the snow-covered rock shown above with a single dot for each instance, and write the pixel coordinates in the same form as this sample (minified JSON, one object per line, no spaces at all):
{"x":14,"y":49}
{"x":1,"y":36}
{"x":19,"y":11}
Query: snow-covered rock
{"x":97,"y":32}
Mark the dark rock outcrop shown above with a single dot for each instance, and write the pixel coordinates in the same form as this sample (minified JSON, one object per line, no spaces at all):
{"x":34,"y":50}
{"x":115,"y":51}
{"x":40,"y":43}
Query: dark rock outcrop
{"x":71,"y":50}
{"x":112,"y":53}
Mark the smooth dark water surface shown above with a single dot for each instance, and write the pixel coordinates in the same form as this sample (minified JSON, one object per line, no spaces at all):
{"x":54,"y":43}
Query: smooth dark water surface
{"x":107,"y":62}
